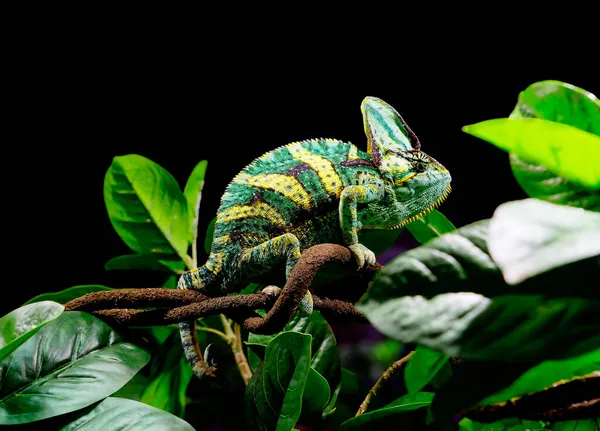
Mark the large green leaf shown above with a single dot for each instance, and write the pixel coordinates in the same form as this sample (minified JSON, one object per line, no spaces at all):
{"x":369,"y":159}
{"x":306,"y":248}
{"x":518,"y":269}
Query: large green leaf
{"x":546,"y":374}
{"x":592,"y":424}
{"x":70,"y":363}
{"x":274,"y":394}
{"x":21,"y":324}
{"x":147,"y":207}
{"x":170,"y":378}
{"x":511,"y":424}
{"x":119,"y":414}
{"x":567,"y":104}
{"x":569,"y":152}
{"x":193,"y":195}
{"x":430,"y":226}
{"x":64,"y":296}
{"x":210,"y":230}
{"x":394,"y":415}
{"x":531,"y":236}
{"x":471,"y":326}
{"x":147,"y":262}
{"x":325,"y":356}
{"x":422,"y":368}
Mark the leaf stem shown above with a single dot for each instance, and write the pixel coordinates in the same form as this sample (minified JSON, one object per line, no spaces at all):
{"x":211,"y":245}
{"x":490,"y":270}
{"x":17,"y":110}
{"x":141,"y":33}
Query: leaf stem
{"x":393,"y":369}
{"x":214,"y":331}
{"x":240,"y":358}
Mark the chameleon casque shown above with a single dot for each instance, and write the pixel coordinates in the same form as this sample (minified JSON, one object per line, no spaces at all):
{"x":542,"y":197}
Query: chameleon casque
{"x":312,"y":192}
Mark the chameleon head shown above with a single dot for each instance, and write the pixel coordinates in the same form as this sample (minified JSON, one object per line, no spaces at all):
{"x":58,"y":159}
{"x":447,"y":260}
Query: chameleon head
{"x":414,"y":182}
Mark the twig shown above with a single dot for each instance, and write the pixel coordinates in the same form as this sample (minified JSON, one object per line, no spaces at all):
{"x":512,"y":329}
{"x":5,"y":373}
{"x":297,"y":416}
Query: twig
{"x":388,"y":374}
{"x":238,"y":353}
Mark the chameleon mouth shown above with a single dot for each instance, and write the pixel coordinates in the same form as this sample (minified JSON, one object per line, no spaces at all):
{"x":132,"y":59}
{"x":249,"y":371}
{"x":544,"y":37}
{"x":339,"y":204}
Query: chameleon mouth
{"x":425,"y":211}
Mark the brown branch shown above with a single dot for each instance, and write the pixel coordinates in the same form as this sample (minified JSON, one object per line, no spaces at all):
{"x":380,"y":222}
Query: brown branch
{"x":388,"y":374}
{"x":127,"y":306}
{"x":565,"y":400}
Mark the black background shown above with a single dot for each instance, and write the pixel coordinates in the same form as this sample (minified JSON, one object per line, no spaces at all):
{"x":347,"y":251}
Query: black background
{"x":84,"y":97}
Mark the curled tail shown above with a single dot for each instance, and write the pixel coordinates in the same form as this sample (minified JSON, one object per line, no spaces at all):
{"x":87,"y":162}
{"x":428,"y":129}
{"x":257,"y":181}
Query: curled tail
{"x":196,"y":279}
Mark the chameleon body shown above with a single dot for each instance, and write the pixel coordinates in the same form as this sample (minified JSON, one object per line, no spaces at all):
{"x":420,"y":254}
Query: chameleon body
{"x":312,"y":192}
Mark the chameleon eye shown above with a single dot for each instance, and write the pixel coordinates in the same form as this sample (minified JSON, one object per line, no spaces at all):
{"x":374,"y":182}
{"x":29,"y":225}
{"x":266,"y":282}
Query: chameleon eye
{"x":420,"y":161}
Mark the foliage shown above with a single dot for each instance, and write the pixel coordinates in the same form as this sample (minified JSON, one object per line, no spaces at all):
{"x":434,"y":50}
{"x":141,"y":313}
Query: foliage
{"x":514,"y":296}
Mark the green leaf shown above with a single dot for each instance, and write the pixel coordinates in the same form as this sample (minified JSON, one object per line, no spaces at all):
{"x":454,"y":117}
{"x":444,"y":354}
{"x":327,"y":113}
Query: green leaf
{"x":146,"y":206}
{"x":566,"y":104}
{"x":538,"y":182}
{"x":70,"y":363}
{"x":471,"y":326}
{"x":387,"y":352}
{"x":378,"y":240}
{"x":170,"y":378}
{"x":455,"y":262}
{"x":147,"y":262}
{"x":274,"y":394}
{"x":394,"y":414}
{"x":193,"y":195}
{"x":511,"y":424}
{"x":569,"y":152}
{"x":19,"y":325}
{"x":592,"y":424}
{"x":316,"y":393}
{"x":64,"y":296}
{"x":531,"y":236}
{"x":325,"y":356}
{"x":422,"y":368}
{"x":430,"y":226}
{"x":545,"y":374}
{"x":209,"y":235}
{"x":120,"y":414}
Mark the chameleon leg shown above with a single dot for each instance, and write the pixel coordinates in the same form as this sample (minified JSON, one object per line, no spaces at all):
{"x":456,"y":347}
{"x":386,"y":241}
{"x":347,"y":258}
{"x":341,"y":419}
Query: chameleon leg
{"x":270,"y":253}
{"x":349,"y":222}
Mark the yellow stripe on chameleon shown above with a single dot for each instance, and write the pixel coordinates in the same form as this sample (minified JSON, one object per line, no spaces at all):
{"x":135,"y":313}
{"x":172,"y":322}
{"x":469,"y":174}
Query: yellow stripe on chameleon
{"x":215,"y":262}
{"x":395,"y":163}
{"x":324,"y":168}
{"x":284,"y":184}
{"x":353,"y":153}
{"x":259,"y":209}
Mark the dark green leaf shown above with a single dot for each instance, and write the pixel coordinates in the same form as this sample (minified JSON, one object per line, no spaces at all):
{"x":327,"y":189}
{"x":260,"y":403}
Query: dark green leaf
{"x":66,"y":295}
{"x":394,"y":414}
{"x":505,"y":425}
{"x":569,"y":152}
{"x":19,"y":325}
{"x":193,"y":195}
{"x":430,"y":226}
{"x":378,"y":240}
{"x":209,"y":235}
{"x":171,"y":375}
{"x":325,"y":357}
{"x":592,"y":424}
{"x":566,"y":104}
{"x":545,"y":375}
{"x":316,"y":393}
{"x":541,"y":183}
{"x":147,"y":262}
{"x":531,"y":236}
{"x":116,"y":414}
{"x":274,"y":394}
{"x":471,"y":326}
{"x":422,"y":368}
{"x":70,"y":363}
{"x":387,"y":352}
{"x":146,"y":206}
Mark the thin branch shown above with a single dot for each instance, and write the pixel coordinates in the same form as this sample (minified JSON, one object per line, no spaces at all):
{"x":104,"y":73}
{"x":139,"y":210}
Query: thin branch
{"x":238,"y":353}
{"x":388,"y":374}
{"x":214,"y":331}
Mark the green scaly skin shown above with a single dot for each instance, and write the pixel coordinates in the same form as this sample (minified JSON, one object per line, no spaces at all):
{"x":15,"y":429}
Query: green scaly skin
{"x":313,"y":192}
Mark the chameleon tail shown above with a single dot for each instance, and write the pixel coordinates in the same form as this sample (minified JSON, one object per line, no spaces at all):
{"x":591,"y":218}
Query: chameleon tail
{"x":196,"y":279}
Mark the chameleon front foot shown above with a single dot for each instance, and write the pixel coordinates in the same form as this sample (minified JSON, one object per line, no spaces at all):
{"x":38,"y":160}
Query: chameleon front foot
{"x":362,"y":255}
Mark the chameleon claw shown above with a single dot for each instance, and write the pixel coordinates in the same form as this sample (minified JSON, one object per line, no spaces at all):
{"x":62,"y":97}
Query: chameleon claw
{"x":362,"y":255}
{"x":271,"y":291}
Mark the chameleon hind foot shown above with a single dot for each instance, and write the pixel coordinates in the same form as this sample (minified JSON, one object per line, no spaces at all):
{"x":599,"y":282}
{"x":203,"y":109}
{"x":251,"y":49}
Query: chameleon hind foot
{"x":306,"y":305}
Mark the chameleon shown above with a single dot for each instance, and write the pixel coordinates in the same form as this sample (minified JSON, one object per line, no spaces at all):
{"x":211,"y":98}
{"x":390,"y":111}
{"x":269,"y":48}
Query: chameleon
{"x":312,"y":192}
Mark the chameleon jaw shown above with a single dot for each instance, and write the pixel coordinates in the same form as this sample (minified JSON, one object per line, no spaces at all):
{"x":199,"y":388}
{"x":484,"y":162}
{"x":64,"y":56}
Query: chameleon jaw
{"x":423,"y":213}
